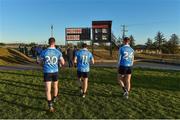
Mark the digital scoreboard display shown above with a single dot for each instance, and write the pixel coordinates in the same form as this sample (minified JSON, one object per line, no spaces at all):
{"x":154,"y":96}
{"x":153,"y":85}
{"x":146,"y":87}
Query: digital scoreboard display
{"x":77,"y":34}
{"x":101,"y":31}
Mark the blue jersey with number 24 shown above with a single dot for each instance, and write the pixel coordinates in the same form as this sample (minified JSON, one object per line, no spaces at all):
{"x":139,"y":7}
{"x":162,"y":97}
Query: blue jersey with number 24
{"x":126,"y":55}
{"x":50,"y":57}
{"x":83,"y":59}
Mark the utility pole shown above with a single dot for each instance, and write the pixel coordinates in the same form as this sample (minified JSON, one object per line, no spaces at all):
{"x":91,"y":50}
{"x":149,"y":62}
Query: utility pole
{"x":124,"y":31}
{"x":52,"y":31}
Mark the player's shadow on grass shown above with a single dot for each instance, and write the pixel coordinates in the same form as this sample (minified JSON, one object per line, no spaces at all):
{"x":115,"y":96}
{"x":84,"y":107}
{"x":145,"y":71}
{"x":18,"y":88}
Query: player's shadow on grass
{"x":21,"y":95}
{"x":22,"y":105}
{"x":69,"y":92}
{"x":19,"y":85}
{"x":22,"y":83}
{"x":62,"y":78}
{"x":104,"y":82}
{"x":109,"y":79}
{"x":16,"y":73}
{"x":105,"y":94}
{"x":103,"y":79}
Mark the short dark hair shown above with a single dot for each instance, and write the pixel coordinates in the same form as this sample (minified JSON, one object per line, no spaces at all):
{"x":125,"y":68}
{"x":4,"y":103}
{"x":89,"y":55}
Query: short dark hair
{"x":126,"y":39}
{"x":84,"y":45}
{"x":51,"y":40}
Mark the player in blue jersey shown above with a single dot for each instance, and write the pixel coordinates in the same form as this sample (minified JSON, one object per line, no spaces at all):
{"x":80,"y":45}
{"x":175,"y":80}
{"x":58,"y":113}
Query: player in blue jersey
{"x":83,"y":58}
{"x":50,"y":58}
{"x":125,"y":63}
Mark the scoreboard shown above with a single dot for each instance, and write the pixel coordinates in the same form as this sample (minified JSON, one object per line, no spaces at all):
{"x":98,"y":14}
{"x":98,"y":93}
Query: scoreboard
{"x":101,"y":31}
{"x":77,"y":34}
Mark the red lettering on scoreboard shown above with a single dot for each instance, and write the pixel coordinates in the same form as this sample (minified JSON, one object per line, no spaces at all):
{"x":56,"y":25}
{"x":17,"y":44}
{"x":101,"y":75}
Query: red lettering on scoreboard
{"x":73,"y":37}
{"x":73,"y":30}
{"x":100,"y":26}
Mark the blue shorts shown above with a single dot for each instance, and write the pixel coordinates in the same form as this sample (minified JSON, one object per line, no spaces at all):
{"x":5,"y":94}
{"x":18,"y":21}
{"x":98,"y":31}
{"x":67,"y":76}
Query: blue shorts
{"x":50,"y":77}
{"x":123,"y":70}
{"x":82,"y":74}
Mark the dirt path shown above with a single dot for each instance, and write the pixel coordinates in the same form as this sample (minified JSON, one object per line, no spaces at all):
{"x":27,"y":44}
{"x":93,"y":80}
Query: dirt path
{"x":145,"y":65}
{"x":104,"y":64}
{"x":21,"y":67}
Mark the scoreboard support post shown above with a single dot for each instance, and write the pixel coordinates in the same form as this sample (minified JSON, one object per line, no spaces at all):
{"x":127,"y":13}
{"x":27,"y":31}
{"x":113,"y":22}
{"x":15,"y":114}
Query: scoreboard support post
{"x":101,"y":32}
{"x":110,"y":44}
{"x":111,"y":49}
{"x":92,"y":46}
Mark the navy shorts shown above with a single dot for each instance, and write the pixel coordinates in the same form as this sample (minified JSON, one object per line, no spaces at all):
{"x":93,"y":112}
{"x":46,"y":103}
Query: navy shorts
{"x":50,"y":77}
{"x":82,"y":74}
{"x":124,"y":70}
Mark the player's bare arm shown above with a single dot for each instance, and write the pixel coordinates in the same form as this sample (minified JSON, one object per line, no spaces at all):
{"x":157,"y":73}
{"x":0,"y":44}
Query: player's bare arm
{"x":75,"y":60}
{"x":92,"y":60}
{"x":62,"y":62}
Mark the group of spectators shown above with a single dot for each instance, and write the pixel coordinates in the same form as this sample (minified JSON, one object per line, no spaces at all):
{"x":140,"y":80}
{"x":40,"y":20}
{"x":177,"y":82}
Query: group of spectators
{"x":31,"y":51}
{"x":70,"y":53}
{"x":34,"y":52}
{"x":23,"y":49}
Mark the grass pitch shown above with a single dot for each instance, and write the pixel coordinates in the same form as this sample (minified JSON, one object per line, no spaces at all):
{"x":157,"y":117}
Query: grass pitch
{"x":155,"y":94}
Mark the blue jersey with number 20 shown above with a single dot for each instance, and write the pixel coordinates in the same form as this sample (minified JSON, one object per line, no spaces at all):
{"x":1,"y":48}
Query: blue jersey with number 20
{"x":126,"y":55}
{"x":50,"y":57}
{"x":83,"y":59}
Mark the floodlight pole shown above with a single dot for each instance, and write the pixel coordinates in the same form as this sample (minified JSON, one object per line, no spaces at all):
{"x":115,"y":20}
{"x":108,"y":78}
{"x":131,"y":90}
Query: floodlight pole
{"x":52,"y":31}
{"x":124,"y":31}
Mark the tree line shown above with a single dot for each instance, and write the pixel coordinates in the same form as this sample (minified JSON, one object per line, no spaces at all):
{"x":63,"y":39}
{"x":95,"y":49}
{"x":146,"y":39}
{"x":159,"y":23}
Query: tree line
{"x":162,"y":45}
{"x":159,"y":44}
